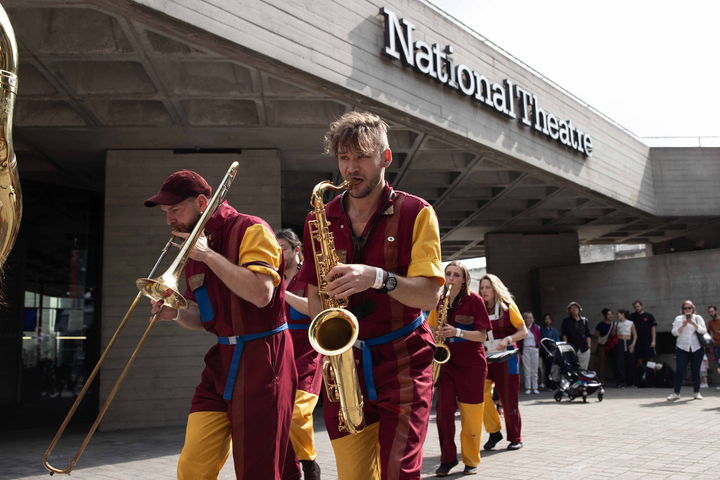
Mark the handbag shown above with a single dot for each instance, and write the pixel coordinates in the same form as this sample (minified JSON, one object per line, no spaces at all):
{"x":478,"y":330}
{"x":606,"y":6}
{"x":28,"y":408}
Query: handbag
{"x":612,"y":343}
{"x":603,"y":340}
{"x":704,"y":339}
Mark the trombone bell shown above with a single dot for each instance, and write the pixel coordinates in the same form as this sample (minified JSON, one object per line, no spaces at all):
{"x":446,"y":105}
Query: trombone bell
{"x":163,"y":288}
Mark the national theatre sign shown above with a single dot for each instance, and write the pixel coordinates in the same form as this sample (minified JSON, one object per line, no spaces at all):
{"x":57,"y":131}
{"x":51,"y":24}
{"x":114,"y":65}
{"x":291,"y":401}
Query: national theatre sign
{"x":435,"y":62}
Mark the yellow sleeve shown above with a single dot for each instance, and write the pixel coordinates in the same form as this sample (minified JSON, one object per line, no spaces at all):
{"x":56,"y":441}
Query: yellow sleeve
{"x":432,"y":318}
{"x":515,"y":317}
{"x":260,"y":249}
{"x":425,"y":259}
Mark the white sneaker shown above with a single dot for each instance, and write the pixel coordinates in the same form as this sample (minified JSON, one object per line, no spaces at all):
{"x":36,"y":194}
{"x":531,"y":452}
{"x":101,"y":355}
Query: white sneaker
{"x":542,"y":386}
{"x":704,"y":385}
{"x":536,"y":392}
{"x":673,"y":396}
{"x":527,"y":392}
{"x":698,"y":396}
{"x":718,"y":388}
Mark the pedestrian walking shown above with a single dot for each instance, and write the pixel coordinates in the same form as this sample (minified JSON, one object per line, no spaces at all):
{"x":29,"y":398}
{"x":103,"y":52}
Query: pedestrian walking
{"x":686,"y":328}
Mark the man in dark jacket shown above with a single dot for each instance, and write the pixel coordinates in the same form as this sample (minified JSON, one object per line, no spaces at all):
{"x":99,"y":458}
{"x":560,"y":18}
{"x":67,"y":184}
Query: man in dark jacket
{"x":576,"y":332}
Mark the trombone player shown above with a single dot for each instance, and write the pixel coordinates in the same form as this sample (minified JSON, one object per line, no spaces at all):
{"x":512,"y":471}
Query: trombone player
{"x":235,"y":289}
{"x":388,"y":245}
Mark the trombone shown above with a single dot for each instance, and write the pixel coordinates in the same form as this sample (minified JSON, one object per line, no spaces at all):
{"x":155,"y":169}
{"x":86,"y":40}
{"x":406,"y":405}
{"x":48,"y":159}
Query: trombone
{"x":163,"y":288}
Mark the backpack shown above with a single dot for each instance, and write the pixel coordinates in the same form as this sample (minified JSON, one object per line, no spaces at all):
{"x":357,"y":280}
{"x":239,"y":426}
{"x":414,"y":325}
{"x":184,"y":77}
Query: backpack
{"x":644,"y":377}
{"x":665,"y":377}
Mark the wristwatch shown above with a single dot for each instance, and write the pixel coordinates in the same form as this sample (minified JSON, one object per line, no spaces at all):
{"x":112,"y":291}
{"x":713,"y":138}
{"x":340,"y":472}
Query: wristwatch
{"x":390,"y":284}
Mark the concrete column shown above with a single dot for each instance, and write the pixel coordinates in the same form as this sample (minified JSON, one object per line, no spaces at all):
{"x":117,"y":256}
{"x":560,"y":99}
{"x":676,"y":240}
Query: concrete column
{"x":515,"y":258}
{"x":161,"y":382}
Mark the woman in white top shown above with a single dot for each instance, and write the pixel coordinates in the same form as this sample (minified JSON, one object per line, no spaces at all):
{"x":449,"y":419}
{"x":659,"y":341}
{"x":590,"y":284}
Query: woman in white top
{"x":688,"y":349}
{"x":624,"y":357}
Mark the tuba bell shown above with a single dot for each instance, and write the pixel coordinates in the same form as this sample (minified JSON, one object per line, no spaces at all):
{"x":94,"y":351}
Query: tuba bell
{"x":10,"y":194}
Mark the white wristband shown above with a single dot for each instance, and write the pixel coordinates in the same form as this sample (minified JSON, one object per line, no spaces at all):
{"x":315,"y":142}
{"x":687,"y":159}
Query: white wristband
{"x":509,"y":340}
{"x":177,"y":317}
{"x":459,"y":333}
{"x":379,"y":277}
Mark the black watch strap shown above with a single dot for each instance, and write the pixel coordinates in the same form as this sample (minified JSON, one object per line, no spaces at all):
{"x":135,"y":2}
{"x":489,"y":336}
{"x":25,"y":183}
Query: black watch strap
{"x":389,"y":285}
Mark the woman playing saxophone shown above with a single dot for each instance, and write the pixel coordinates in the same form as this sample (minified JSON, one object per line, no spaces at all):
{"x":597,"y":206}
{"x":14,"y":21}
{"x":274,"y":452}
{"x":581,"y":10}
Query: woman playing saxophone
{"x":462,"y":378}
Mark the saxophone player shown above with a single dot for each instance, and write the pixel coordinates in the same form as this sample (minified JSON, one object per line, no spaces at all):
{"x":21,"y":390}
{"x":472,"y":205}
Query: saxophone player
{"x":236,"y":292}
{"x":462,"y":378}
{"x":388,"y":246}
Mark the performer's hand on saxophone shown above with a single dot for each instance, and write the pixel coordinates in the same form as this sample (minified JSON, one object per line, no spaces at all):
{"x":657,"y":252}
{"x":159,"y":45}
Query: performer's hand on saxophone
{"x":350,"y":279}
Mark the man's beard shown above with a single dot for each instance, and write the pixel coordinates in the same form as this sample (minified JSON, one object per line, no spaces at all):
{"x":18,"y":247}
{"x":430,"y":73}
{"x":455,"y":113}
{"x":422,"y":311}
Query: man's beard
{"x":191,"y":225}
{"x":289,"y":262}
{"x":372,"y":183}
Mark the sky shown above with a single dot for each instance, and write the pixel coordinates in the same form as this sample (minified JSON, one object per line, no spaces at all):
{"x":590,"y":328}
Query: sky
{"x":653,"y":67}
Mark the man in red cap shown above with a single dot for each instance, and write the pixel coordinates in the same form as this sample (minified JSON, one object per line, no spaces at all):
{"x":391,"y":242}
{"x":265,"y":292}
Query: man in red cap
{"x":235,"y":290}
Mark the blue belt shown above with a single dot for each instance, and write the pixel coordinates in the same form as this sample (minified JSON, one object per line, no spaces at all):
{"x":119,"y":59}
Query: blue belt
{"x":298,"y":326}
{"x":454,"y":340}
{"x":239,"y":341}
{"x":367,"y":357}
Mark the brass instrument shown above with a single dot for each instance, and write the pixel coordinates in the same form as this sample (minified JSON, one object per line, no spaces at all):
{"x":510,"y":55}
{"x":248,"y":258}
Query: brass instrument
{"x":163,"y":288}
{"x":10,"y":193}
{"x":334,"y":331}
{"x":442,"y":354}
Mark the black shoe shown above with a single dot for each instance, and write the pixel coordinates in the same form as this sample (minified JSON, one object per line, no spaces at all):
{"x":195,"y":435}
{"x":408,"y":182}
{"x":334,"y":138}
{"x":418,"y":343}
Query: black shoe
{"x":515,"y":446}
{"x":445,"y":468}
{"x":469,"y":470}
{"x":493,"y":440}
{"x":311,"y":469}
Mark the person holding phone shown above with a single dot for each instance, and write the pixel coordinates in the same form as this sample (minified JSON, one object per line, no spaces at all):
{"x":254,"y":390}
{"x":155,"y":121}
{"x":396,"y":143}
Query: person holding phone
{"x":686,"y":328}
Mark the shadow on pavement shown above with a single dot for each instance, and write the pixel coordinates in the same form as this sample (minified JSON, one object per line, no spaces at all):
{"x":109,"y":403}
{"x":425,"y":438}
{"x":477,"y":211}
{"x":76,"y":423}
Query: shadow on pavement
{"x":22,"y":452}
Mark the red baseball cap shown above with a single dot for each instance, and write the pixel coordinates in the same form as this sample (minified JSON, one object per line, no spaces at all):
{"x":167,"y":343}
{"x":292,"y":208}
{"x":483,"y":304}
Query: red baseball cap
{"x":178,"y":187}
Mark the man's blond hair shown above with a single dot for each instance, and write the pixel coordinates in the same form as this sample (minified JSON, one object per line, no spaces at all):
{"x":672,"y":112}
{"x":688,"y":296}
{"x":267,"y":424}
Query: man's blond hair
{"x":362,"y":132}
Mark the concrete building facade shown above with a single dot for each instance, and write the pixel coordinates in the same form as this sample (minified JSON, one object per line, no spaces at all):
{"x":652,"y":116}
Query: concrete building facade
{"x":116,"y":95}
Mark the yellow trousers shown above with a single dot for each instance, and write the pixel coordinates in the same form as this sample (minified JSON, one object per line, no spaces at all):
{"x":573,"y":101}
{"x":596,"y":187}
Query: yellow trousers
{"x":358,"y":456}
{"x":301,"y":430}
{"x":490,"y":414}
{"x":208,"y":442}
{"x":471,"y":422}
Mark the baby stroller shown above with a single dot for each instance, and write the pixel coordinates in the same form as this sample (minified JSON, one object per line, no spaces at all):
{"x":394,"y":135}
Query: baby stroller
{"x":566,"y":373}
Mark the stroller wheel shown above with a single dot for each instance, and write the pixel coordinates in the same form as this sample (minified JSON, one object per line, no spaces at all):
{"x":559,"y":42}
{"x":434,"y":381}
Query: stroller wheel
{"x":601,"y":394}
{"x":558,"y":396}
{"x":571,"y":397}
{"x":585,"y":398}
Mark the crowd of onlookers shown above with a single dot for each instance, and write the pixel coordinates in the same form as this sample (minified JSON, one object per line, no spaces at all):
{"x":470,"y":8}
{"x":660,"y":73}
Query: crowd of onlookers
{"x":626,"y":341}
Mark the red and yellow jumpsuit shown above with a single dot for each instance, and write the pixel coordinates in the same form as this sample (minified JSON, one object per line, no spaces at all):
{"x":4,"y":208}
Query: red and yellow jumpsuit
{"x":505,"y":375}
{"x":395,"y":372}
{"x":461,"y":382}
{"x":307,"y":362}
{"x":247,"y":389}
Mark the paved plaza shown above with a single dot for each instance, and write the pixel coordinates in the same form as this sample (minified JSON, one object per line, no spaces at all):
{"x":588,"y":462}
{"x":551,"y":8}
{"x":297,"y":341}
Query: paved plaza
{"x":633,"y":433}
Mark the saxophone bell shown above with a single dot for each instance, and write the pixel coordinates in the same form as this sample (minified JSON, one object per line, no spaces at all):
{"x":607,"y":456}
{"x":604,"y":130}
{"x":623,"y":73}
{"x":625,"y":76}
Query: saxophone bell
{"x":333,"y":333}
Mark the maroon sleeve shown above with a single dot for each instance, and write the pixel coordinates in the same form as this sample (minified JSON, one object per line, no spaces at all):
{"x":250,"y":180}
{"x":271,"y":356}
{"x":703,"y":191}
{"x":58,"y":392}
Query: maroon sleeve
{"x":307,"y":273}
{"x":482,"y":320}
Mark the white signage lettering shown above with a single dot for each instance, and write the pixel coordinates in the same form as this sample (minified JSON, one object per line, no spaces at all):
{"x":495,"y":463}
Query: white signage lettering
{"x":435,"y":62}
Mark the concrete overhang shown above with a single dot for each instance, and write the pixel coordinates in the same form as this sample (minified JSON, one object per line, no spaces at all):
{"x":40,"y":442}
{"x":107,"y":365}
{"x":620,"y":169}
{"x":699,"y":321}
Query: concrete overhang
{"x":111,"y":75}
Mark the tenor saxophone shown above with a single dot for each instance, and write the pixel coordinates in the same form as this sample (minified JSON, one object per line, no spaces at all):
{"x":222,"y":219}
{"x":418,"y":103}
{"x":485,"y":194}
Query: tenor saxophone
{"x":442,"y":354}
{"x":334,"y":331}
{"x":10,"y":193}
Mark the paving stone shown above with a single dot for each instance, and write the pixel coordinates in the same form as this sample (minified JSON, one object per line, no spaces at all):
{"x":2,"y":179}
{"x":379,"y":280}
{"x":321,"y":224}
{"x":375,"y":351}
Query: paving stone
{"x":632,"y":434}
